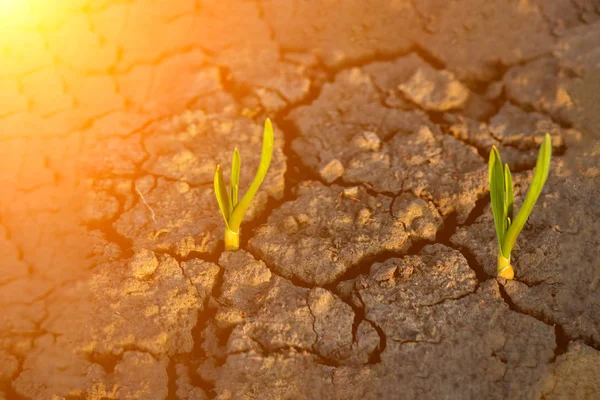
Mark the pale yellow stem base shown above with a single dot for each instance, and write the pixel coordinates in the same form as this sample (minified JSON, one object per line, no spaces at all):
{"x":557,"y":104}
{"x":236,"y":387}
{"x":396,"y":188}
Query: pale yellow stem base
{"x":505,"y":270}
{"x":232,"y":240}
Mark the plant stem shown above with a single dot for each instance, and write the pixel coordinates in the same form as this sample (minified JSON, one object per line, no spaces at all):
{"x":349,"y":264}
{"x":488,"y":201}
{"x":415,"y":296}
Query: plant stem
{"x":232,"y":240}
{"x":505,"y":270}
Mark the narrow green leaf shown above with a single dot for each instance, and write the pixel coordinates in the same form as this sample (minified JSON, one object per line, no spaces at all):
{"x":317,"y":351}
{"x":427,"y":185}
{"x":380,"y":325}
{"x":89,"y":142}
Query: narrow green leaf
{"x":496,"y":177}
{"x":230,"y":202}
{"x":235,"y":189}
{"x":221,"y":195}
{"x":540,"y":176}
{"x":265,"y":160}
{"x":508,"y":191}
{"x":235,"y":178}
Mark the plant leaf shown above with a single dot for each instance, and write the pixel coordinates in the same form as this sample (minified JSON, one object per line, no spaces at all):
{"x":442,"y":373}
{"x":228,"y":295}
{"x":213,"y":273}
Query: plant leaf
{"x":508,"y":191}
{"x":540,"y":176}
{"x":221,"y":195}
{"x":230,"y":202}
{"x":497,"y":196}
{"x":235,"y":178}
{"x":265,"y":160}
{"x":235,"y":189}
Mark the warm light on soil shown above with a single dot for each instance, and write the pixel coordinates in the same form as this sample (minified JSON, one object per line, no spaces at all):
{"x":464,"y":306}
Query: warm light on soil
{"x":367,"y":260}
{"x":13,"y":8}
{"x":28,"y":13}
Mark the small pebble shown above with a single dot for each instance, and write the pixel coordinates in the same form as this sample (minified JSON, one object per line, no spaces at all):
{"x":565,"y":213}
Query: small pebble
{"x":332,"y":170}
{"x":143,"y":263}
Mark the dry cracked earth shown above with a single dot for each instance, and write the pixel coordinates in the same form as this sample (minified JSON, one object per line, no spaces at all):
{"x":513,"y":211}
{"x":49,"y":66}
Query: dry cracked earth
{"x":367,"y":267}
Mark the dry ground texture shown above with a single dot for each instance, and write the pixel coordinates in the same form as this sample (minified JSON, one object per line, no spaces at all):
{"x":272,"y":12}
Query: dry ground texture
{"x":367,"y":268}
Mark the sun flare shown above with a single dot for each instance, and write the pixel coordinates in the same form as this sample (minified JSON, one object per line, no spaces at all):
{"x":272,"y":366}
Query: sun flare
{"x":32,"y":13}
{"x":13,"y":8}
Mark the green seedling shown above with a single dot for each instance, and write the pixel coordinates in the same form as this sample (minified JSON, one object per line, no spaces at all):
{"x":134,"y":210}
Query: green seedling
{"x":233,"y":211}
{"x":501,"y":193}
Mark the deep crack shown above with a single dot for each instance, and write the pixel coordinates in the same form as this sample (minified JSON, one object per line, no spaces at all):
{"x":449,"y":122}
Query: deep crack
{"x":172,"y":383}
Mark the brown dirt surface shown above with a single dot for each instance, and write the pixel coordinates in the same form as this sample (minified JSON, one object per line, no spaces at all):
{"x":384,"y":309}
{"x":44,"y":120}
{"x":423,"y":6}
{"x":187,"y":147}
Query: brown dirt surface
{"x":367,"y":267}
{"x":327,"y":231}
{"x":575,"y":374}
{"x":391,"y":149}
{"x":516,"y":133}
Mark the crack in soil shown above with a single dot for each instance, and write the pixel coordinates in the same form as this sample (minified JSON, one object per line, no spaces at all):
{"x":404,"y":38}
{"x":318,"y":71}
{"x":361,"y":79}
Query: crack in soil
{"x":261,"y":16}
{"x":107,"y":361}
{"x":11,"y":393}
{"x":296,"y":170}
{"x":451,"y":226}
{"x":314,"y":322}
{"x":194,"y":358}
{"x":462,"y":296}
{"x":562,"y":340}
{"x":375,"y":357}
{"x":359,"y":316}
{"x":297,"y":282}
{"x":192,"y":255}
{"x":172,"y":383}
{"x":112,"y":236}
{"x":320,"y":360}
{"x":402,"y":342}
{"x":363,"y":266}
{"x":564,"y":124}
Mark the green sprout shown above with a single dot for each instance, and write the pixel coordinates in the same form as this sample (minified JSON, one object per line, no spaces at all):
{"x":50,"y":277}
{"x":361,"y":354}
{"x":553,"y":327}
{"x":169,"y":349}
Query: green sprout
{"x":501,"y":193}
{"x":233,"y":211}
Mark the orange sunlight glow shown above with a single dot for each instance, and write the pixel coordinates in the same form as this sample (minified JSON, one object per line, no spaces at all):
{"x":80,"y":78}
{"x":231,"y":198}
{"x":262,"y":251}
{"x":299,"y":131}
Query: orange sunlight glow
{"x":31,"y":14}
{"x":14,"y":11}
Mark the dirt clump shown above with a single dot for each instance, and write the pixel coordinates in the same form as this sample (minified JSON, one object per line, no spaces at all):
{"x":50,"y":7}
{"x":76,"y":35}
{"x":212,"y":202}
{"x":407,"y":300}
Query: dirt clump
{"x":268,"y":314}
{"x":350,"y":135}
{"x":516,"y":133}
{"x":327,"y":231}
{"x":435,"y":90}
{"x":576,"y":374}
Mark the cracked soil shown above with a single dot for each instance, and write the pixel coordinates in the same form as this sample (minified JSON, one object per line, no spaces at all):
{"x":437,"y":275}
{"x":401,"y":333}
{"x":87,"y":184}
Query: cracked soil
{"x":367,"y":261}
